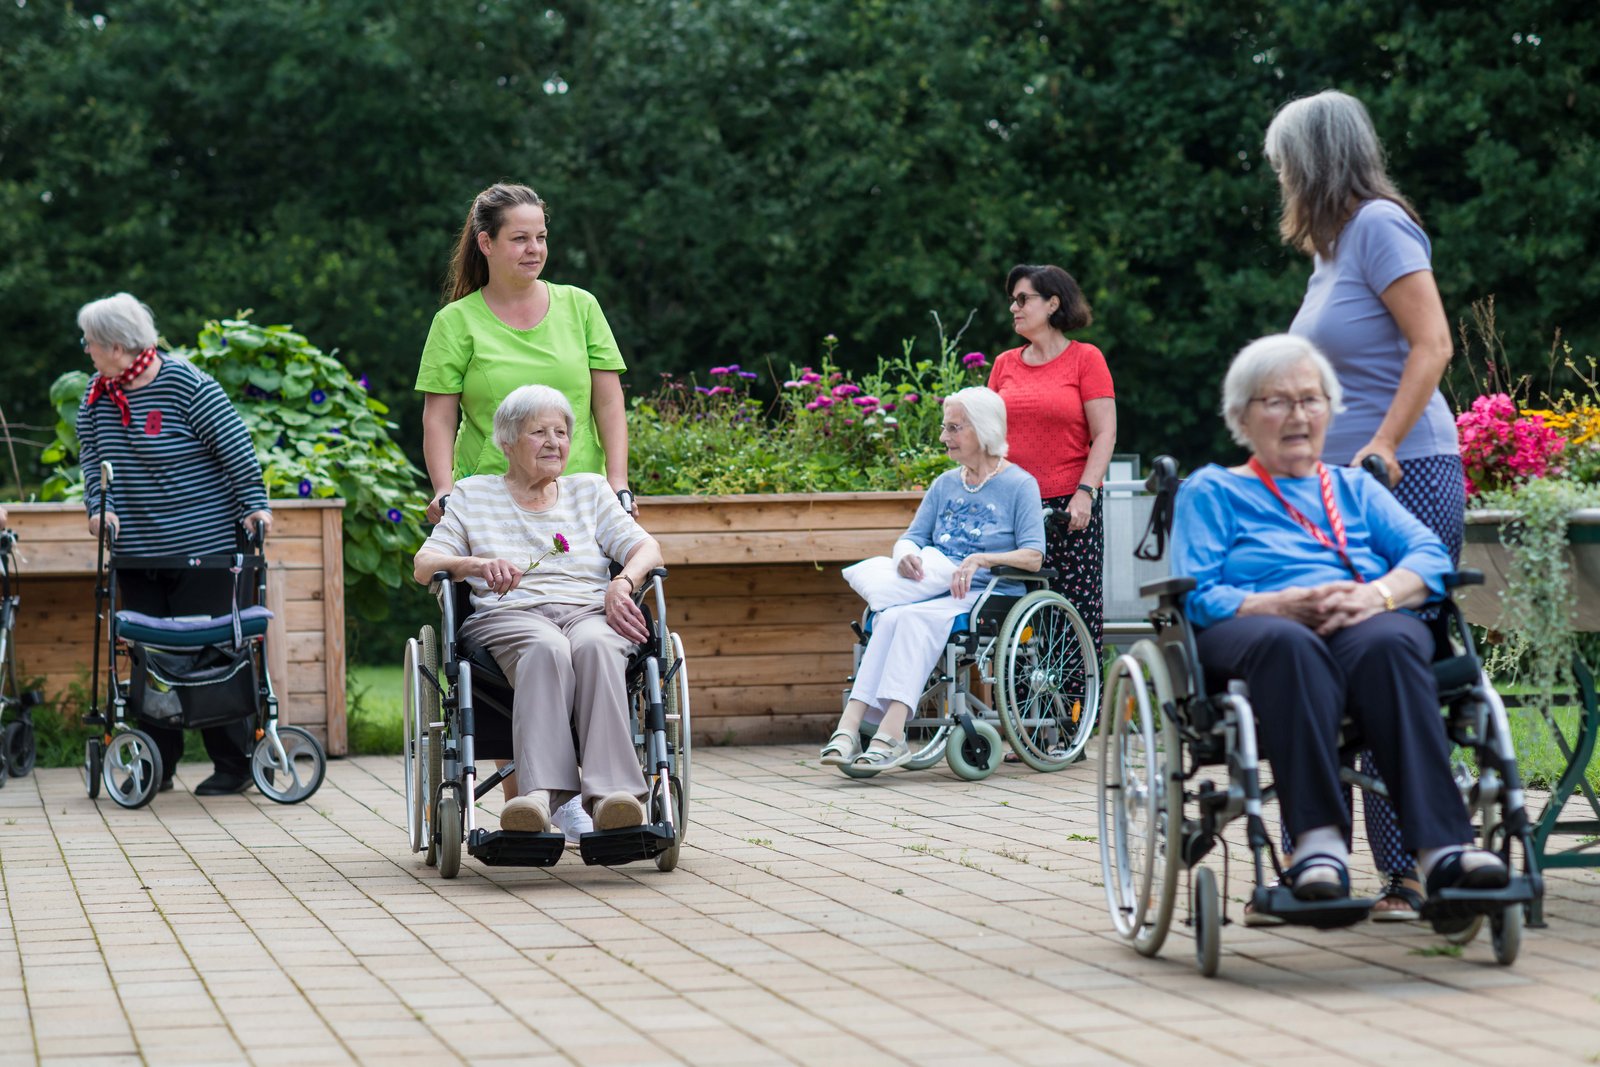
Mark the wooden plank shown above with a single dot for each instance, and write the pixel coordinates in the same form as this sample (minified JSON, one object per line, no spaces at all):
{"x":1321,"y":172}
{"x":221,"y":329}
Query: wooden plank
{"x":736,"y":639}
{"x":799,"y":546}
{"x":687,"y":613}
{"x":783,"y":580}
{"x":718,"y":701}
{"x":770,"y":669}
{"x":277,"y":631}
{"x":333,"y":629}
{"x":764,"y":514}
{"x":301,"y":614}
{"x":810,"y":729}
{"x":306,"y":647}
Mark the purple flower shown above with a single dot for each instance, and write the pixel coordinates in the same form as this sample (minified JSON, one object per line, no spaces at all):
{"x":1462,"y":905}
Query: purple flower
{"x":865,"y":401}
{"x":810,"y":377}
{"x":305,"y":486}
{"x":318,"y":396}
{"x":333,"y":431}
{"x":721,"y":390}
{"x":846,"y":389}
{"x":733,"y":368}
{"x":823,"y":401}
{"x":224,"y":340}
{"x":394,"y":515}
{"x":749,"y":375}
{"x":888,"y":407}
{"x":362,"y":381}
{"x":974,"y":359}
{"x":702,"y":390}
{"x":720,"y":371}
{"x":912,"y":398}
{"x":252,"y":391}
{"x":792,"y":384}
{"x":279,"y":443}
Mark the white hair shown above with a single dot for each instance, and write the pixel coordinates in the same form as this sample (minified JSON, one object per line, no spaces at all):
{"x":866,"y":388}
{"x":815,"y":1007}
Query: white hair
{"x":986,"y":414}
{"x":523,"y":404}
{"x":119,"y":320}
{"x":1262,"y":360}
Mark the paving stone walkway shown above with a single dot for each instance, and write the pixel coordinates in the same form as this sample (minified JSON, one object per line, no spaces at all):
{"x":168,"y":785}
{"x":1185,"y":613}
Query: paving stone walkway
{"x":814,"y":920}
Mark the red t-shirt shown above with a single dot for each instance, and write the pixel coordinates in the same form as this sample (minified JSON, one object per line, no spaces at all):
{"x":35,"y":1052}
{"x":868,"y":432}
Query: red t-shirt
{"x":1046,"y":427}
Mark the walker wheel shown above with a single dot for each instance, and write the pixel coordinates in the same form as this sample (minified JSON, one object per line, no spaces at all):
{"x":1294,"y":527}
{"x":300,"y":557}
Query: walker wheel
{"x":299,"y":774}
{"x":974,"y":758}
{"x":20,"y":751}
{"x":93,"y":758}
{"x":131,"y":769}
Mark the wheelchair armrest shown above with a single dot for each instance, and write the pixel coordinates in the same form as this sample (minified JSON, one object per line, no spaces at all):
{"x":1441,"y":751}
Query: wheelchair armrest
{"x":440,"y":580}
{"x":1167,"y":587}
{"x":1043,"y":574}
{"x":1464,"y":576}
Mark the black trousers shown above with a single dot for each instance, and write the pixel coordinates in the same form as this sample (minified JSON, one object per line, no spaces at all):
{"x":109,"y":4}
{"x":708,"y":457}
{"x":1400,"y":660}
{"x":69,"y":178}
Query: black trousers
{"x":1379,"y":673}
{"x":167,"y":593}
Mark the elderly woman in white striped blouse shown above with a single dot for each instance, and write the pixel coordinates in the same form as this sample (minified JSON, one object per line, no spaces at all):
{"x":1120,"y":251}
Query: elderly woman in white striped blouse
{"x":555,"y":621}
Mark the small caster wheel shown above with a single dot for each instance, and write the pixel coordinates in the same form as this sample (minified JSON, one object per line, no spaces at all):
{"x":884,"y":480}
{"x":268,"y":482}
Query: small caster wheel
{"x":93,"y":760}
{"x":1207,"y":923}
{"x":1505,"y":932}
{"x":449,"y":831}
{"x":296,"y":776}
{"x":132,"y":769}
{"x":974,"y":758}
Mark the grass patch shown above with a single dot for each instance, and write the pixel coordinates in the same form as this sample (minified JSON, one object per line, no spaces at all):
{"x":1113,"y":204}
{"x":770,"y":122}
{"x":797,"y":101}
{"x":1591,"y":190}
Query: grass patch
{"x":372,"y":695}
{"x":1538,"y":757}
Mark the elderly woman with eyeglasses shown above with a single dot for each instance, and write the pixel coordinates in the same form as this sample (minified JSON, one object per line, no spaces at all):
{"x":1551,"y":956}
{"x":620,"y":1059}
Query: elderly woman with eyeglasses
{"x":1304,"y":573}
{"x":983,"y":514}
{"x":186,"y":478}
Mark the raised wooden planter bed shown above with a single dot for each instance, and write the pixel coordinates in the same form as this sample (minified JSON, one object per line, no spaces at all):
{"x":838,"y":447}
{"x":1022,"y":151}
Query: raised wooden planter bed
{"x":305,"y":590}
{"x":756,"y":594}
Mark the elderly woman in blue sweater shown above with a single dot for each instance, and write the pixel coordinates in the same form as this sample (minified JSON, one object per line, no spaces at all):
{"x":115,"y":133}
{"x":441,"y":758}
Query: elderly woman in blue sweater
{"x":983,"y":514}
{"x":1303,"y":575}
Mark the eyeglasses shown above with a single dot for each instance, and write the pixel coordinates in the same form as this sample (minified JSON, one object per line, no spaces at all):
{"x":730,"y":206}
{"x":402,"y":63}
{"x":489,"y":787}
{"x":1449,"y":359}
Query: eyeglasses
{"x":83,"y":342}
{"x":952,"y":428}
{"x":1020,"y":300}
{"x":1279,"y":406}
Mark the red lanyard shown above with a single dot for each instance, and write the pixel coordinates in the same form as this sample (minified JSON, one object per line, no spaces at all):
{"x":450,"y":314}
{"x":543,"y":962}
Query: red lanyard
{"x":1339,"y":540}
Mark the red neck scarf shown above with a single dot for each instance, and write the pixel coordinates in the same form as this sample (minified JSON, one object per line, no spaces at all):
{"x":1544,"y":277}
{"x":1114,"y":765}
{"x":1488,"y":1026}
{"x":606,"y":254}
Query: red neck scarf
{"x":1338,"y":541}
{"x":112,"y":387}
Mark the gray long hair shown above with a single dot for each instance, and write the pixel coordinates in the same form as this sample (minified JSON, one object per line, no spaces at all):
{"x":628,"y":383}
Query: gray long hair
{"x":1326,"y":154}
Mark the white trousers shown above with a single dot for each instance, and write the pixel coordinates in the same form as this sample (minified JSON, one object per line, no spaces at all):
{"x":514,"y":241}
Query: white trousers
{"x":906,"y":644}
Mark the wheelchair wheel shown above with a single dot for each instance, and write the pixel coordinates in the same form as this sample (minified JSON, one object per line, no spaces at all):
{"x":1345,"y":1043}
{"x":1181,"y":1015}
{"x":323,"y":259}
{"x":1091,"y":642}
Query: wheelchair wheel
{"x":93,"y":761}
{"x":1207,"y":922}
{"x":131,"y":769}
{"x":1141,"y":799}
{"x":974,"y":758}
{"x":1047,"y":681}
{"x":20,"y":751}
{"x":449,"y":831}
{"x":1505,"y":933}
{"x":414,"y":726}
{"x":431,"y":703}
{"x":679,"y":730}
{"x":298,"y":774}
{"x":667,"y":860}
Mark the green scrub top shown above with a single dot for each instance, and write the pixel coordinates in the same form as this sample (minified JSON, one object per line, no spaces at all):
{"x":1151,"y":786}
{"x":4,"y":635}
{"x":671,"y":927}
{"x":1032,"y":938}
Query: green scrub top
{"x":470,"y":352}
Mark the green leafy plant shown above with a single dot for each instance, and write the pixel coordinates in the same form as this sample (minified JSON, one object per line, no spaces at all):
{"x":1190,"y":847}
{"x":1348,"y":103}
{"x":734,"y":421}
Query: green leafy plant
{"x":318,"y":434}
{"x":827,"y":431}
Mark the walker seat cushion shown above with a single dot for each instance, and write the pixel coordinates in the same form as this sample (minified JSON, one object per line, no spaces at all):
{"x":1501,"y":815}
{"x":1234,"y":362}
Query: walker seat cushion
{"x":190,"y":631}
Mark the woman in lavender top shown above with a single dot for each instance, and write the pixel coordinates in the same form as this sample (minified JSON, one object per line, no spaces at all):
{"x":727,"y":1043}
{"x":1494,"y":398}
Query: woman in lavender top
{"x":1373,"y":308}
{"x":983,"y":514}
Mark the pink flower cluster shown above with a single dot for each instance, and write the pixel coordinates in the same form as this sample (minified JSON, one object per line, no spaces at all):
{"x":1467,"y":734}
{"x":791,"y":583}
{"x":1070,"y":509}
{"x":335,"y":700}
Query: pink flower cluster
{"x":1500,"y":446}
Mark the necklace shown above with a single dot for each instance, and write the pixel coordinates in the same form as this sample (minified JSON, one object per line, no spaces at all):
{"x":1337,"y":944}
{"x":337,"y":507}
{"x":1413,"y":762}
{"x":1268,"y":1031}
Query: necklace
{"x":984,"y":482}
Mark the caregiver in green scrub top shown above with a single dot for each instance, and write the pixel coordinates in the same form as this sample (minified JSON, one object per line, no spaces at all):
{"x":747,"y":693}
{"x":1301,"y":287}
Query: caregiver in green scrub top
{"x":502,"y":327}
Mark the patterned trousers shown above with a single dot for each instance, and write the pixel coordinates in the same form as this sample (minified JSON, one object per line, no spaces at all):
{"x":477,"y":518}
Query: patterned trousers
{"x":1078,"y":558}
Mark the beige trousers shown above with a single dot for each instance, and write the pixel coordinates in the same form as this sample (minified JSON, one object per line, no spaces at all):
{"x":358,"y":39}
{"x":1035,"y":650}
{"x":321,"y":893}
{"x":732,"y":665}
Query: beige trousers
{"x":567,"y":668}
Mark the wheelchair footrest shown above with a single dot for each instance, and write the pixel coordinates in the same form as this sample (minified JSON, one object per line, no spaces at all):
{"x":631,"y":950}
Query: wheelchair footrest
{"x":1280,"y":901}
{"x":612,"y":848}
{"x":1450,"y":904}
{"x":515,"y":848}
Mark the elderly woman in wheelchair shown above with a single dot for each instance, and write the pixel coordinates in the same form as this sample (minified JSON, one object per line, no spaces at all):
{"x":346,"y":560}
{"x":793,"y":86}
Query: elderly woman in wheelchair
{"x":535,"y":547}
{"x":982,"y":515}
{"x":1288,"y":605}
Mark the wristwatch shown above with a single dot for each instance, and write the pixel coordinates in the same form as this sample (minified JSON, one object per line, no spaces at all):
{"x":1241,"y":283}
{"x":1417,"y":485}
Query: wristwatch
{"x":1388,"y":597}
{"x":1093,"y":491}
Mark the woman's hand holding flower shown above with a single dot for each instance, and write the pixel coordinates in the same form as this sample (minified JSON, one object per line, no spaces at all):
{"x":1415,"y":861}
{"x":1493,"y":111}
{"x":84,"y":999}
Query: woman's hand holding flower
{"x":500,"y":575}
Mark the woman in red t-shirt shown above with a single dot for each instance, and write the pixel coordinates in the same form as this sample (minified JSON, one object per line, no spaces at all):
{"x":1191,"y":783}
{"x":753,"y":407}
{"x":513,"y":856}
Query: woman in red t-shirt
{"x":1062,"y":416}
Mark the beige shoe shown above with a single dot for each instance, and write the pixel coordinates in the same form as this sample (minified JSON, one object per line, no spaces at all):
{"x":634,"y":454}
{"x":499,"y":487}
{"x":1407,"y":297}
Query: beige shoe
{"x":618,"y":811}
{"x":529,"y":814}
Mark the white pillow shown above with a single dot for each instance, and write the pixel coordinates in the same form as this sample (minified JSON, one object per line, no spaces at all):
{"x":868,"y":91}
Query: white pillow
{"x":877,"y":581}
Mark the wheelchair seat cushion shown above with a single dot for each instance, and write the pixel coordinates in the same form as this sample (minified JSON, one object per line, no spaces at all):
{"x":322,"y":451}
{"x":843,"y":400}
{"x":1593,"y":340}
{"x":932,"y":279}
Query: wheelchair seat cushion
{"x":958,"y":625}
{"x":190,"y":631}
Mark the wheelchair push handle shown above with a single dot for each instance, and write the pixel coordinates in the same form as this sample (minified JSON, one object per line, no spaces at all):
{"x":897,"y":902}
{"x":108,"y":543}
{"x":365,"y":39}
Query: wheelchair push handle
{"x":1375,"y":466}
{"x":625,"y":498}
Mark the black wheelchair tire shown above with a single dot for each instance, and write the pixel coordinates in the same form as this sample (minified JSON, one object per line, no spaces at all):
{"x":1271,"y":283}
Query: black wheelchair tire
{"x":20,"y":750}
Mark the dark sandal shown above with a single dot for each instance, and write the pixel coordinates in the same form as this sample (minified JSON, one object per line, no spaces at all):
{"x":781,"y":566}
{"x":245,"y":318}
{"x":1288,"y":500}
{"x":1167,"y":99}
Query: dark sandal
{"x":1449,"y":873}
{"x":1405,"y":887}
{"x":1318,"y":890}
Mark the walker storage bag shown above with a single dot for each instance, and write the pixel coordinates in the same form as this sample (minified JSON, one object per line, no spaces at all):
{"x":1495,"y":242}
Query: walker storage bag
{"x":206,"y":686}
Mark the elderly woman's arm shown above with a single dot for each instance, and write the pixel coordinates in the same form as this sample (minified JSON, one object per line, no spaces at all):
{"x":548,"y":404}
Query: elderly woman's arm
{"x":500,"y":575}
{"x":621,"y":611}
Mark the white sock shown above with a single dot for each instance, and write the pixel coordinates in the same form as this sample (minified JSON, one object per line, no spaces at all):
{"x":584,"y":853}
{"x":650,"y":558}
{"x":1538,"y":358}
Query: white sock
{"x":1321,"y":841}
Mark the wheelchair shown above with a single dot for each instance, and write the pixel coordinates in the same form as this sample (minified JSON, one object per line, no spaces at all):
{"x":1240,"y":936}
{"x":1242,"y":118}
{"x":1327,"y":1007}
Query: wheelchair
{"x":1037,"y":654}
{"x":17,"y":748}
{"x":188,"y":672}
{"x":1157,"y":817}
{"x":447,"y":683}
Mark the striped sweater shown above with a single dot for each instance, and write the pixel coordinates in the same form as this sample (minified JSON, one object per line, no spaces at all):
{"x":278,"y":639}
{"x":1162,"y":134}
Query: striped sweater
{"x":184,"y":472}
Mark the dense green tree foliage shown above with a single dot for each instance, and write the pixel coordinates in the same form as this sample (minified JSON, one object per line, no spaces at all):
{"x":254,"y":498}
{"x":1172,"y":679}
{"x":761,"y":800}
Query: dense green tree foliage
{"x":735,"y":179}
